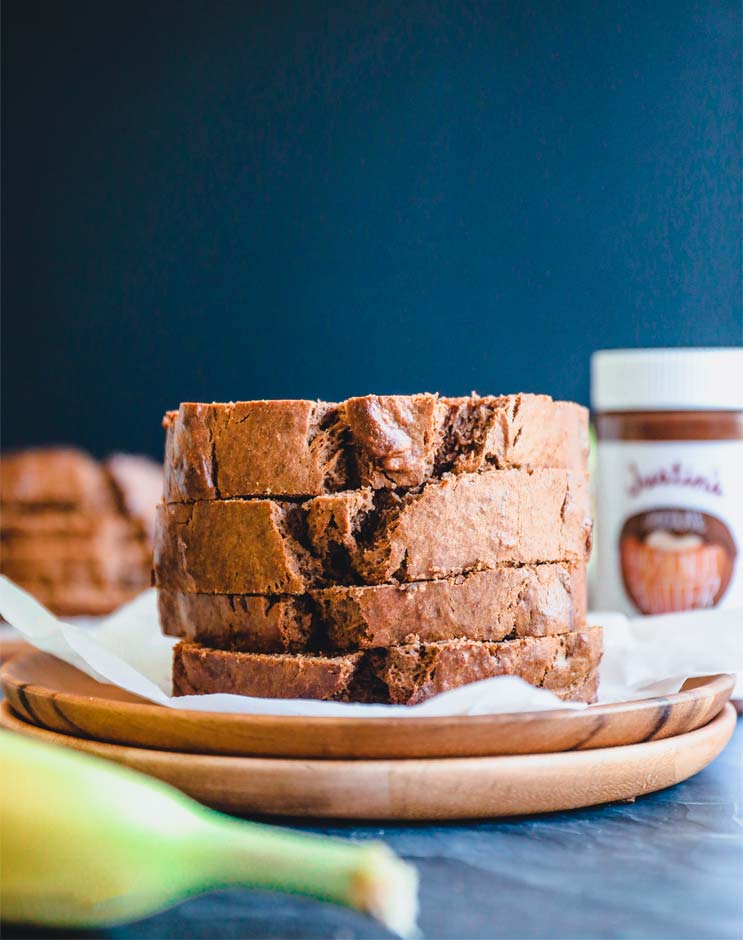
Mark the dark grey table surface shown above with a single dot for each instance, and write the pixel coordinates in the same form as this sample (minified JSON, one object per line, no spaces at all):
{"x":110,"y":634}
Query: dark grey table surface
{"x":669,"y":865}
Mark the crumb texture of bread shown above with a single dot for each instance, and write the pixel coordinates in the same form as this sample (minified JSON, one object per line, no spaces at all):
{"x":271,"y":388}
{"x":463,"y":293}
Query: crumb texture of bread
{"x":491,"y":604}
{"x":449,"y":527}
{"x":252,"y":623}
{"x":198,"y":670}
{"x":232,"y":547}
{"x":307,"y":448}
{"x":458,"y":524}
{"x":562,"y":664}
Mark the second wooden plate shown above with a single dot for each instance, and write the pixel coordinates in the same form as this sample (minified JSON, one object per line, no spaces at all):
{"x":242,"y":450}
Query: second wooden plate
{"x":51,"y":694}
{"x":453,"y":788}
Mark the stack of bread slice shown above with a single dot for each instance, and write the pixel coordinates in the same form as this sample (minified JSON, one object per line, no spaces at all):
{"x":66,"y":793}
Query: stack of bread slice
{"x":76,"y":533}
{"x":383,"y":549}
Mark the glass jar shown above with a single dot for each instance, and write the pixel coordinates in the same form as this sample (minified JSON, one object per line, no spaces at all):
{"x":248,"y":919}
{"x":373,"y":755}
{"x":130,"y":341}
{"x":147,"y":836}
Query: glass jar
{"x":669,"y":507}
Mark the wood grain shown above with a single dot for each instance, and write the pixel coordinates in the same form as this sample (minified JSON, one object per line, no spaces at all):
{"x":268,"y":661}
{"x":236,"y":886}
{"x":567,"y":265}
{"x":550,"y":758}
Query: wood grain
{"x":453,"y":788}
{"x":53,"y":695}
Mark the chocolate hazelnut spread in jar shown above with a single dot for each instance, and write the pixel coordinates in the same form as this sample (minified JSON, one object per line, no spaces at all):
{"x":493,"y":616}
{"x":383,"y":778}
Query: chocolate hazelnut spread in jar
{"x":669,"y":533}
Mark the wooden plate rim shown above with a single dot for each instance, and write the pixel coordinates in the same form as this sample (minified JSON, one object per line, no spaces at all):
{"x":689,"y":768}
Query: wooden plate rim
{"x":704,"y":687}
{"x":301,"y":764}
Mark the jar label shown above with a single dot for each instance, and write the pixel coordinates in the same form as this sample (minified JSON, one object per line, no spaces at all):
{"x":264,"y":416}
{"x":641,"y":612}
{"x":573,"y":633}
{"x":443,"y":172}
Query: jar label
{"x":669,"y":526}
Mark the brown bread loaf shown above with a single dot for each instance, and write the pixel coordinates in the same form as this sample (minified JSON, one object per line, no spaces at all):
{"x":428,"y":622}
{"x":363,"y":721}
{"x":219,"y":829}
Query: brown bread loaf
{"x":77,"y":533}
{"x":566,"y":665}
{"x":59,"y":477}
{"x":306,"y":448}
{"x":483,"y":605}
{"x":70,"y":599}
{"x":448,"y":527}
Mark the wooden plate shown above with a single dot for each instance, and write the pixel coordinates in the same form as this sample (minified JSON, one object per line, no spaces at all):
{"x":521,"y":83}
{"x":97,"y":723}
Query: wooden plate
{"x":53,"y":695}
{"x":10,"y":647}
{"x":451,"y":788}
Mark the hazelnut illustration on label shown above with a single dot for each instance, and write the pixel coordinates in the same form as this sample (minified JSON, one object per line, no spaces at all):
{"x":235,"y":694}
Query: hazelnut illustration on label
{"x":675,"y":559}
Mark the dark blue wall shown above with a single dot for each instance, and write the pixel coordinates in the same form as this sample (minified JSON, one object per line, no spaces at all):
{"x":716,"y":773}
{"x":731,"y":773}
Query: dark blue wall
{"x":214,"y":200}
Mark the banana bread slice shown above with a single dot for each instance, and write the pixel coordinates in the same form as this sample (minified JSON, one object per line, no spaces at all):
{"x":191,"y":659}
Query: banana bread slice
{"x":458,"y":524}
{"x":307,"y":448}
{"x":566,"y":665}
{"x":482,"y":605}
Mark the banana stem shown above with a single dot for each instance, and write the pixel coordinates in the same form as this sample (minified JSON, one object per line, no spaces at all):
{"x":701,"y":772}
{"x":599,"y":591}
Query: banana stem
{"x":368,"y":877}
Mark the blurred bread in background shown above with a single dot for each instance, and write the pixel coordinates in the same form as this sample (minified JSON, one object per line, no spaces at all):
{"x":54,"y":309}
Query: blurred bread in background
{"x":75,"y":532}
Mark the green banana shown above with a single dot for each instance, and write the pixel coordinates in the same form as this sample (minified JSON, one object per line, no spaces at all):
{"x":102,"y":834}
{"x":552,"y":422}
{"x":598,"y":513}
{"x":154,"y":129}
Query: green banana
{"x":86,"y":842}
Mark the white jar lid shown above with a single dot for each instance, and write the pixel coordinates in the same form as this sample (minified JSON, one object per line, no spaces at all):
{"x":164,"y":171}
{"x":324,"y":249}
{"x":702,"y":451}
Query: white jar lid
{"x":667,"y":379}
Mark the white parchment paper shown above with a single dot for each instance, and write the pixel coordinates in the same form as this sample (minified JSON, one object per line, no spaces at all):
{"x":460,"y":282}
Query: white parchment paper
{"x":642,"y":656}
